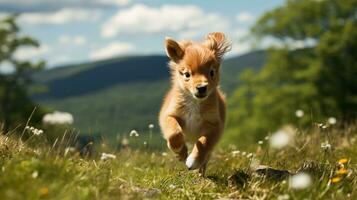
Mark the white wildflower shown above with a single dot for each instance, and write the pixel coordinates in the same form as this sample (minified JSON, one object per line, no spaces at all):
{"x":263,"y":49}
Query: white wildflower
{"x":281,"y":138}
{"x":300,"y":181}
{"x":37,"y":132}
{"x":332,"y":120}
{"x":321,"y":125}
{"x":299,"y":113}
{"x":284,"y":197}
{"x":164,"y":154}
{"x":58,"y":117}
{"x":34,"y":130}
{"x":34,"y":174}
{"x":134,"y":133}
{"x":68,"y":150}
{"x":266,"y":138}
{"x":172,"y":186}
{"x":145,"y":143}
{"x":260,"y":142}
{"x":244,"y":153}
{"x":236,"y":152}
{"x":249,"y":155}
{"x":254,"y":163}
{"x":124,"y":142}
{"x":151,"y":126}
{"x":107,"y":156}
{"x":37,"y":151}
{"x":326,"y":145}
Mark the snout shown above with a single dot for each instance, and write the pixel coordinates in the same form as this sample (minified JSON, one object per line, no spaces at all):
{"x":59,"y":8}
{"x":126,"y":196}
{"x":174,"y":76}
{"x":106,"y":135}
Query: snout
{"x":201,"y":91}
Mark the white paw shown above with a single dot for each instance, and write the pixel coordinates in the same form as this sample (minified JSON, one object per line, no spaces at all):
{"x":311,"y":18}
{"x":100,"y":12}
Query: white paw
{"x":192,"y":163}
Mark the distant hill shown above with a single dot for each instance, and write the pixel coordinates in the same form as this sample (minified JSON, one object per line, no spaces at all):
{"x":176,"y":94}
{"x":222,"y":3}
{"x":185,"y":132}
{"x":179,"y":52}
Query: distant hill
{"x":117,"y":95}
{"x":89,"y":78}
{"x":232,"y":68}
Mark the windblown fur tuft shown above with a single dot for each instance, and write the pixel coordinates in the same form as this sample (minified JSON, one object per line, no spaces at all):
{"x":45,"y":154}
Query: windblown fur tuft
{"x":219,"y":43}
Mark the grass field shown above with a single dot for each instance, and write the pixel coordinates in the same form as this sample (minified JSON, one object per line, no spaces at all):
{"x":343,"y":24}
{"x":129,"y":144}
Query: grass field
{"x":32,"y":169}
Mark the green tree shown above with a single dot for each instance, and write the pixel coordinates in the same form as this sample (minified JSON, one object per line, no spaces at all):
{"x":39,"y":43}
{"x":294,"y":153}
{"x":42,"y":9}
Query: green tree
{"x":15,"y":104}
{"x":320,"y":79}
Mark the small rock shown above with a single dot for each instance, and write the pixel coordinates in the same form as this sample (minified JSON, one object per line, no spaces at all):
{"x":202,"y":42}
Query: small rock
{"x":148,"y":192}
{"x":271,"y":173}
{"x":238,"y":178}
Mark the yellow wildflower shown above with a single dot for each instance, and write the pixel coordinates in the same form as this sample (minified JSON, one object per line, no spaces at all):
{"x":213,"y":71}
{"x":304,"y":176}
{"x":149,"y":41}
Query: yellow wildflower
{"x":43,"y":191}
{"x":343,"y":161}
{"x":342,"y":171}
{"x":335,"y":179}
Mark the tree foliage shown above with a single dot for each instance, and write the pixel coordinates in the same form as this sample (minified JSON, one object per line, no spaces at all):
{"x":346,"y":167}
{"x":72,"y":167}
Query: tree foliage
{"x":320,"y":79}
{"x":15,"y":104}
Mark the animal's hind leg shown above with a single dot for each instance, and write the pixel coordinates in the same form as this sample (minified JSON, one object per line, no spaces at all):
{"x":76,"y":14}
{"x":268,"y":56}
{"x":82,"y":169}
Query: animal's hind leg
{"x":199,"y":155}
{"x":203,"y":147}
{"x":202,"y":169}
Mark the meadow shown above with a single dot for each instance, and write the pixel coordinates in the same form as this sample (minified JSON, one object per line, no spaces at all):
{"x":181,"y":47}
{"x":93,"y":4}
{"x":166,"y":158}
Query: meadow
{"x":317,"y":163}
{"x":301,"y":60}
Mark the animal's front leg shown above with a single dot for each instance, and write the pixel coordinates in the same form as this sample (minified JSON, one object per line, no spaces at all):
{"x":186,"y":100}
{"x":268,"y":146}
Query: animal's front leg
{"x":202,"y":149}
{"x":175,"y":139}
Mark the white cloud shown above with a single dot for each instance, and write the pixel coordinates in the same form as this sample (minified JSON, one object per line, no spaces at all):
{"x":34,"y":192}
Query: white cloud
{"x":66,"y":15}
{"x":241,"y":32}
{"x":58,"y":60}
{"x":64,"y":39}
{"x":290,"y":44}
{"x":190,"y":34}
{"x":245,"y":17}
{"x":26,"y":53}
{"x":114,"y":2}
{"x":27,"y":1}
{"x":111,"y":50}
{"x":76,"y":40}
{"x":241,"y":44}
{"x":240,"y":48}
{"x":43,"y":5}
{"x":169,"y":18}
{"x":6,"y":67}
{"x":301,"y":44}
{"x":4,"y":14}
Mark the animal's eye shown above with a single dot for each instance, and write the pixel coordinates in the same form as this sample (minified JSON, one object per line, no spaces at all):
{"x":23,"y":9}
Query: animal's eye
{"x":186,"y":75}
{"x":212,"y":72}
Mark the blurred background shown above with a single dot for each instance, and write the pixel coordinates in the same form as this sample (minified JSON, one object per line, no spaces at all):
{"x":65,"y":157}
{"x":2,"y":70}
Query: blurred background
{"x":98,"y":68}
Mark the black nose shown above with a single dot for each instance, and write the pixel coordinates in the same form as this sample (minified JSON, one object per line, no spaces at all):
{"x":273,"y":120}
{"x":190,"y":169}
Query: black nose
{"x":201,"y":89}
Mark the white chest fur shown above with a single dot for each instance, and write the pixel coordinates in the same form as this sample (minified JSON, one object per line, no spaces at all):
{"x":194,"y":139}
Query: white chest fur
{"x":192,"y":122}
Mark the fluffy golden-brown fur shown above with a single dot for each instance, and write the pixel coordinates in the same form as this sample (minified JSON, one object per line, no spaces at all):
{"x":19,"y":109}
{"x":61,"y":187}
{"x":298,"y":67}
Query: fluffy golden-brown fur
{"x":193,"y":110}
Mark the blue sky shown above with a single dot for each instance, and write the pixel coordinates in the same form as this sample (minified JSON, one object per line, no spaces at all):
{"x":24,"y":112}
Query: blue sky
{"x":73,"y":31}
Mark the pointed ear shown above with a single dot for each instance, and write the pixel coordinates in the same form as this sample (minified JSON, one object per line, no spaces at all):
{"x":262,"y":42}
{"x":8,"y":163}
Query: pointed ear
{"x":218,"y":43}
{"x":173,"y":50}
